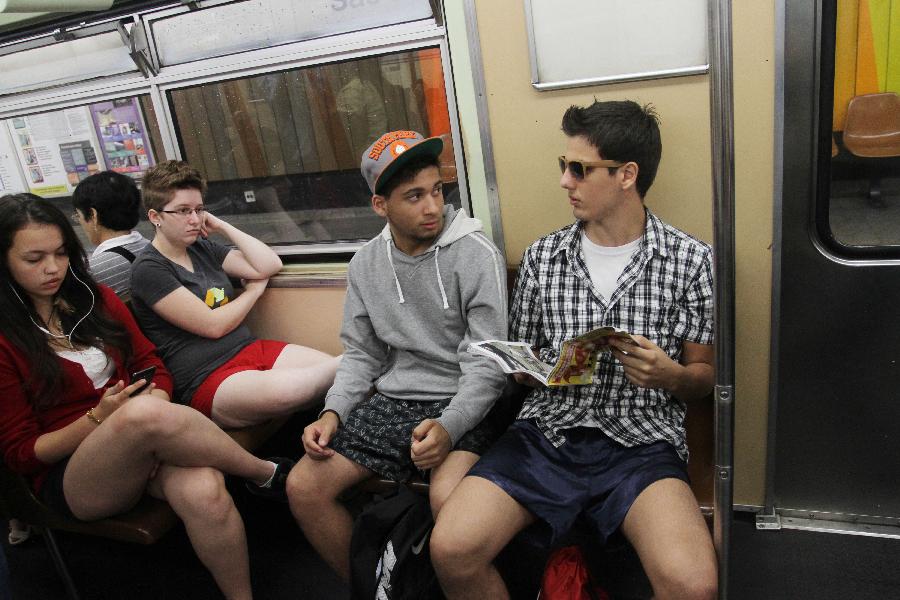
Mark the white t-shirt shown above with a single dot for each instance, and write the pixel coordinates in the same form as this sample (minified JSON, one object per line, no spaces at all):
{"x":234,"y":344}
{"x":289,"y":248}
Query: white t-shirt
{"x":606,"y":263}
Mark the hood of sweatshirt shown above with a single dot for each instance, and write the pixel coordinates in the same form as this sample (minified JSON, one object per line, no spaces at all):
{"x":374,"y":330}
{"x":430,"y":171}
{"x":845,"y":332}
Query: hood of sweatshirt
{"x":457,"y":225}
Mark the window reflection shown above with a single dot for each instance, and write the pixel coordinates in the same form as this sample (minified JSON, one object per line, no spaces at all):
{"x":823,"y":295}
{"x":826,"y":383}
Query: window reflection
{"x":865,"y":145}
{"x":281,"y":151}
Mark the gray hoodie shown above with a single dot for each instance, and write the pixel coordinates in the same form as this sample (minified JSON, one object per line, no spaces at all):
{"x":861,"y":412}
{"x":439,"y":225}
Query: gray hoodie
{"x":408,"y":321}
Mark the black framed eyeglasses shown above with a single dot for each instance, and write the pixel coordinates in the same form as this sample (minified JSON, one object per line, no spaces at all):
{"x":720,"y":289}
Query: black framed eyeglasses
{"x":578,"y":168}
{"x":184,"y":211}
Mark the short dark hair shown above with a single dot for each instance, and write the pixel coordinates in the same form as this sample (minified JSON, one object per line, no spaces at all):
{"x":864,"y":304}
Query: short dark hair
{"x":620,"y":130}
{"x":408,"y":172}
{"x":162,"y":181}
{"x":114,"y":196}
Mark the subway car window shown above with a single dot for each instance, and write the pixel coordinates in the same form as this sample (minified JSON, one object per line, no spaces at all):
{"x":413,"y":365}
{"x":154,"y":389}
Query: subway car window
{"x":864,"y":203}
{"x":252,"y":24}
{"x":281,"y":151}
{"x":75,"y":60}
{"x":49,"y":153}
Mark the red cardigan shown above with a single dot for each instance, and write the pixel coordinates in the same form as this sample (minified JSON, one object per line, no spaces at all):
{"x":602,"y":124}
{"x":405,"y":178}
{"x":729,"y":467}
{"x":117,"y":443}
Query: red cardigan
{"x":21,"y":424}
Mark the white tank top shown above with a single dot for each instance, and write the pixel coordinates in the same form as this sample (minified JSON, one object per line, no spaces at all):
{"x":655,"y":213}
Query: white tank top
{"x":94,"y":362}
{"x":606,"y":263}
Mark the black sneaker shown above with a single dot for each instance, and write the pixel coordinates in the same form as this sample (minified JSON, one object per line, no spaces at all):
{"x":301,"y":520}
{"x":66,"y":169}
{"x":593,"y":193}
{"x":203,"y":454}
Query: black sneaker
{"x":275,"y":490}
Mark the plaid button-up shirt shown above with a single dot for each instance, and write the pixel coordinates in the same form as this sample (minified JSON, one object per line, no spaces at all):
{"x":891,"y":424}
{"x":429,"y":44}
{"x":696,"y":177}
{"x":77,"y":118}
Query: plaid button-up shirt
{"x":664,"y":294}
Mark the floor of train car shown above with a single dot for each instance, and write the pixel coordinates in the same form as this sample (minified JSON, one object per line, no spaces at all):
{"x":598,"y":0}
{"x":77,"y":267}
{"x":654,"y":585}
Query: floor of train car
{"x":789,"y":565}
{"x":775,"y":565}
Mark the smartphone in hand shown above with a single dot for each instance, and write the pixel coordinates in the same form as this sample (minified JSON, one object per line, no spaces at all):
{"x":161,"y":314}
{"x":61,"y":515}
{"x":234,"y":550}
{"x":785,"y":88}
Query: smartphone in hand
{"x":145,"y":374}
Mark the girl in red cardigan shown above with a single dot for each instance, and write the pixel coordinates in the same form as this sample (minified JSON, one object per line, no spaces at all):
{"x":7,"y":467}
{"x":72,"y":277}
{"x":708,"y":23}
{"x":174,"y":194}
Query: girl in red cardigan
{"x":74,"y":422}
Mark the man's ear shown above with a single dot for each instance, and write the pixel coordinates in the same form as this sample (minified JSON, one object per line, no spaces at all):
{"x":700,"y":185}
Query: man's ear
{"x":92,"y":215}
{"x":628,"y":174}
{"x":378,"y":205}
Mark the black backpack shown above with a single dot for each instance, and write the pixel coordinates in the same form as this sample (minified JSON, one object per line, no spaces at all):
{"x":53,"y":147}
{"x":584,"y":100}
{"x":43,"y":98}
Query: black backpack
{"x":389,"y":556}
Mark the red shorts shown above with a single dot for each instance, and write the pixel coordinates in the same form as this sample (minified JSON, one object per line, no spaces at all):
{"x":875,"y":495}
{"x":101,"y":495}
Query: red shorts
{"x":258,"y":356}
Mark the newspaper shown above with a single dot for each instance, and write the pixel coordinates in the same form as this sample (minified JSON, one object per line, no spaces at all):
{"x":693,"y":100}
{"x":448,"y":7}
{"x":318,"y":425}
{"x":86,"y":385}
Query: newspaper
{"x":575,"y":366}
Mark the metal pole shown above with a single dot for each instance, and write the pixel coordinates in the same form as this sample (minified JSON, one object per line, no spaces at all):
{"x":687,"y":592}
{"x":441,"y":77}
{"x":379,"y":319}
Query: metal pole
{"x":722,"y":141}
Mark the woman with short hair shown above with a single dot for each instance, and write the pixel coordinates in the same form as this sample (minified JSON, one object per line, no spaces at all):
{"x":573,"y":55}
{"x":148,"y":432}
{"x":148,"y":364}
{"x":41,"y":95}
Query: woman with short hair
{"x":184,"y":299}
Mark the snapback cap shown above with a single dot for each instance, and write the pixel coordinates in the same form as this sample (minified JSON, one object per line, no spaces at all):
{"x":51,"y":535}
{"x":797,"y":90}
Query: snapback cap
{"x":393,"y":150}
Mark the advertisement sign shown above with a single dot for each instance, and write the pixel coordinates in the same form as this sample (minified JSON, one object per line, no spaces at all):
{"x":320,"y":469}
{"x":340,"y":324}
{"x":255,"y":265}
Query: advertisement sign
{"x":122,"y":135}
{"x":56,"y":150}
{"x":10,"y":176}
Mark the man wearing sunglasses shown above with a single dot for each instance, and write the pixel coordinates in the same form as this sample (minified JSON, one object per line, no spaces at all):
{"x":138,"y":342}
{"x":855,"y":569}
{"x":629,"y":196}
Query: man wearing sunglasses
{"x":611,"y":453}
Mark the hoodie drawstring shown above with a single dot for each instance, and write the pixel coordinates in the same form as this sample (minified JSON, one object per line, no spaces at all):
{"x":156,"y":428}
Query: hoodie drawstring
{"x":391,"y":260}
{"x":437,"y":268}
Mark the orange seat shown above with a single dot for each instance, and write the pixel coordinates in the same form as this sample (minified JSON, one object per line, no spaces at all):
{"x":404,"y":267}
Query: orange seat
{"x":872,"y":128}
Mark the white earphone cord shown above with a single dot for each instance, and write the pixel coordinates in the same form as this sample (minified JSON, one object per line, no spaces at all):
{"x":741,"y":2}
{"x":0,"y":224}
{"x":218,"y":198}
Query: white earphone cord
{"x":47,"y":331}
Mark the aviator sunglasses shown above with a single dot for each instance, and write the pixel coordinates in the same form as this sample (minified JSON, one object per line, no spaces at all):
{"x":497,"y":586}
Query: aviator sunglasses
{"x":579,"y":168}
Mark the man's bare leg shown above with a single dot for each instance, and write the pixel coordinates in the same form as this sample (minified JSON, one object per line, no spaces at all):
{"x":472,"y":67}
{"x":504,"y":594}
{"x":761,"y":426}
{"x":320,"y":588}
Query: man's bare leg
{"x":668,"y":532}
{"x":473,"y":526}
{"x":447,"y":476}
{"x":313,"y":488}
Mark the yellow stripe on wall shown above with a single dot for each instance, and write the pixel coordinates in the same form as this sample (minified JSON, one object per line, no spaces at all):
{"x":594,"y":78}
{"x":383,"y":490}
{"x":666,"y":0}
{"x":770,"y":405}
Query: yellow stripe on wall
{"x":845,"y":59}
{"x":880,"y":18}
{"x":866,"y":66}
{"x":892,"y":79}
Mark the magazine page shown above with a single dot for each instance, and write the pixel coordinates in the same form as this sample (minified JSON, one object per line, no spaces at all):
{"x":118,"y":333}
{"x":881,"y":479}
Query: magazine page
{"x":578,"y":357}
{"x":575,"y":366}
{"x":513,"y":357}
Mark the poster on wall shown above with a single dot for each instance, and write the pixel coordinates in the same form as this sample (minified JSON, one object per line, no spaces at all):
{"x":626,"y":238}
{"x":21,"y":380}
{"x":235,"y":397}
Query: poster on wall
{"x":56,"y":150}
{"x":10,"y":177}
{"x":123,"y":136}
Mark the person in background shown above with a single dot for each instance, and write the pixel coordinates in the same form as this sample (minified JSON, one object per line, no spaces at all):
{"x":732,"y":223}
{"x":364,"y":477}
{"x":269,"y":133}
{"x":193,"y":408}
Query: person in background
{"x":107,"y":206}
{"x":75,"y":423}
{"x":418,"y":294}
{"x":185,"y":302}
{"x":614,"y":451}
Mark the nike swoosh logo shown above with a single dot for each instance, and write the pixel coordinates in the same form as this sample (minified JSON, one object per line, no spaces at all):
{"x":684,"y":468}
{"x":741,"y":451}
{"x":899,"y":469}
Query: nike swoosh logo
{"x":417,"y":548}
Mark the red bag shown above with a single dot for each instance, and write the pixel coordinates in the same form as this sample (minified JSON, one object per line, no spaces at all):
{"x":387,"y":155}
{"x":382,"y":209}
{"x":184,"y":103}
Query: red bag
{"x":566,"y":577}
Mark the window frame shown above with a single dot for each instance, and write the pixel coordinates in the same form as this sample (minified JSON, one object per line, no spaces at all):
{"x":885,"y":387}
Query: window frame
{"x":367,"y":43}
{"x":820,"y":225}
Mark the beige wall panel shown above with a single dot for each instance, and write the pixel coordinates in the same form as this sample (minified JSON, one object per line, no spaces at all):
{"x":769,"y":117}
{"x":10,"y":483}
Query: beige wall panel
{"x":754,"y":99}
{"x":307,"y":316}
{"x":525,"y":130}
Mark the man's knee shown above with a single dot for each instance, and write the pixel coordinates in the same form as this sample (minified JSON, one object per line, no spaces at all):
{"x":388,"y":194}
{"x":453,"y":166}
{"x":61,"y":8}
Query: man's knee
{"x":309,"y":488}
{"x":459,"y":551}
{"x":454,"y":556}
{"x":682,"y":580}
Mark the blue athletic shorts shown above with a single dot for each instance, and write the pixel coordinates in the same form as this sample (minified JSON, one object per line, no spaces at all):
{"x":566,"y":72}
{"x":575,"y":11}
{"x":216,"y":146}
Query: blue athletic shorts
{"x":590,"y":475}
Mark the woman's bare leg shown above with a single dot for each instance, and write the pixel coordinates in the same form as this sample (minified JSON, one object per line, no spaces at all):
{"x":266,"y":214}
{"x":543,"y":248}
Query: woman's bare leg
{"x":213,"y":524}
{"x":298,"y":379}
{"x":109,"y":471}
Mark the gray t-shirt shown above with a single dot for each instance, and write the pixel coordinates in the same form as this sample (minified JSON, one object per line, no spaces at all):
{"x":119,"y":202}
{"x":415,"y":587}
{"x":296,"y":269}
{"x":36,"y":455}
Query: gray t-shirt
{"x":189,"y":357}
